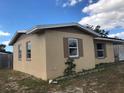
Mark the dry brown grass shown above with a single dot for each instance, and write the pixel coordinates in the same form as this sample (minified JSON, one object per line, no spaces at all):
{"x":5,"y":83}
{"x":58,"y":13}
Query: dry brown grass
{"x":111,"y":80}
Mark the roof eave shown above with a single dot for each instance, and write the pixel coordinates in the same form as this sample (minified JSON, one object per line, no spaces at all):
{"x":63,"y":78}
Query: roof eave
{"x":111,"y":40}
{"x":90,"y":30}
{"x":14,"y":37}
{"x":63,"y":25}
{"x":52,"y":26}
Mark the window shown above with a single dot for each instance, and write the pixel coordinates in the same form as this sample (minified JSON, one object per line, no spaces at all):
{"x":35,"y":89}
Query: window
{"x":100,"y":50}
{"x":19,"y":52}
{"x":28,"y":50}
{"x":73,"y":47}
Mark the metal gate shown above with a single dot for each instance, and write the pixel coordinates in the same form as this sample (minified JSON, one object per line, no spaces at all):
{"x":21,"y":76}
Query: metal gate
{"x":119,"y":52}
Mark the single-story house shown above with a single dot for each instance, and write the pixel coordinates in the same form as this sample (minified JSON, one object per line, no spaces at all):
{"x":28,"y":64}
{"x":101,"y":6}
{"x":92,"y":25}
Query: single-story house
{"x":43,"y":50}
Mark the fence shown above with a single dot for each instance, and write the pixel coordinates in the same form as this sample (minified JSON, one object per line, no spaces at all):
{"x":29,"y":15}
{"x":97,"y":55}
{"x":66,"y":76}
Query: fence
{"x":6,"y":60}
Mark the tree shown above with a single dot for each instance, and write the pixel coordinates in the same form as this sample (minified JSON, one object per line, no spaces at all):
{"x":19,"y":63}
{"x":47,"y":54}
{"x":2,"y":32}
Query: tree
{"x":98,"y":29}
{"x":102,"y":32}
{"x":2,"y":48}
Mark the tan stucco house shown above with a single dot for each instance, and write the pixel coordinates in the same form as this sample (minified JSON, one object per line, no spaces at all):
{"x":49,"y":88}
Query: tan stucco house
{"x":43,"y":50}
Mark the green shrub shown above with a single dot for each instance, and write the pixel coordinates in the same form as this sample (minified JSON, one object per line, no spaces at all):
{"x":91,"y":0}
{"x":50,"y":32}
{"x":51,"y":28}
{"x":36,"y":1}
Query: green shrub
{"x":70,"y":70}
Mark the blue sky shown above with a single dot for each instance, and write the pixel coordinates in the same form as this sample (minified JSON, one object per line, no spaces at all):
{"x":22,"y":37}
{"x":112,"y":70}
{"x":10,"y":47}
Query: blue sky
{"x":23,"y":14}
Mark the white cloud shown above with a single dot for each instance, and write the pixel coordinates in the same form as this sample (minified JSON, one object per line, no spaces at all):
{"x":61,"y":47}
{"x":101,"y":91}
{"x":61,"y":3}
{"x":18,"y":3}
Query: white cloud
{"x":6,"y":42}
{"x":71,"y":3}
{"x":120,"y":35}
{"x":107,"y":13}
{"x":2,"y":33}
{"x":90,"y":1}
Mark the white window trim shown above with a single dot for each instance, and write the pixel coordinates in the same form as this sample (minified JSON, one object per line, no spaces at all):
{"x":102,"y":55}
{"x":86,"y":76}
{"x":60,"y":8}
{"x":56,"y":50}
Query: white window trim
{"x":72,"y":56}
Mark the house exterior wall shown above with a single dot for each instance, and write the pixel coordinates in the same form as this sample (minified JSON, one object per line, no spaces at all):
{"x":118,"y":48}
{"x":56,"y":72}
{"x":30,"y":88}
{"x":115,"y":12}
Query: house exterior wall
{"x":55,"y":52}
{"x":47,"y":53}
{"x":37,"y":65}
{"x":109,"y":53}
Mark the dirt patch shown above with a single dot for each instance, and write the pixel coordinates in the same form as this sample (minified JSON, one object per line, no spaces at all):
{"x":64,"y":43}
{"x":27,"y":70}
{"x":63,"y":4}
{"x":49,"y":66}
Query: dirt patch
{"x":111,"y":80}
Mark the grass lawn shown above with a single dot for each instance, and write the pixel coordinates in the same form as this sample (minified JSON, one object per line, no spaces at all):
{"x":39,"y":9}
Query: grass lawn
{"x":111,"y":80}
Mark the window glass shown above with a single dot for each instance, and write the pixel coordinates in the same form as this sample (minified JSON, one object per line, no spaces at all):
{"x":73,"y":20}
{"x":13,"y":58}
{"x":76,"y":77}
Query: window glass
{"x":28,"y":49}
{"x":73,"y":51}
{"x":19,"y":52}
{"x":100,"y":51}
{"x":99,"y":46}
{"x":72,"y":43}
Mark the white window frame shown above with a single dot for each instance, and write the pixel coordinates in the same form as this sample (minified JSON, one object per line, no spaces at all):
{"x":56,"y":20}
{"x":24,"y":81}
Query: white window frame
{"x":73,"y":56}
{"x":103,"y":50}
{"x":19,"y":48}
